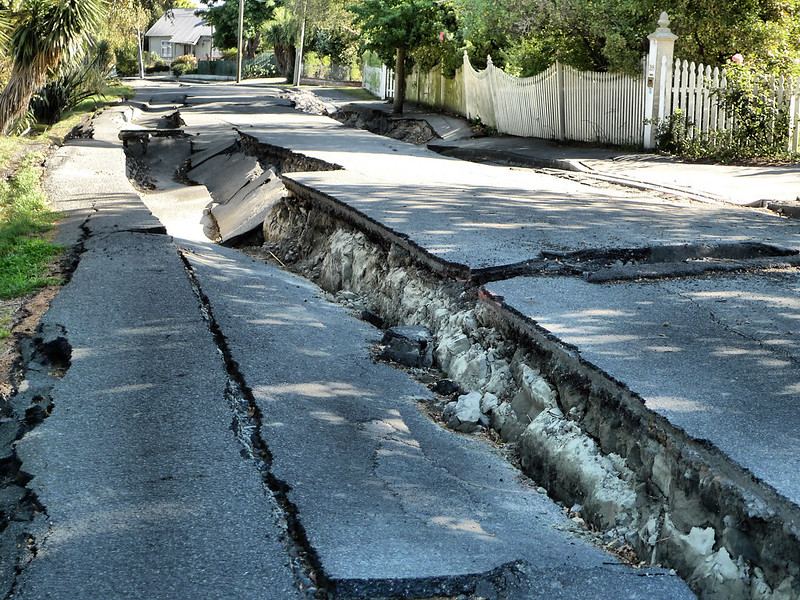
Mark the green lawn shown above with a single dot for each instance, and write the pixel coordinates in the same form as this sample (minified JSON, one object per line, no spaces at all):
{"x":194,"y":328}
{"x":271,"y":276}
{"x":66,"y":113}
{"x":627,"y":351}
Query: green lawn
{"x":25,"y":215}
{"x":25,"y":219}
{"x":357,"y":93}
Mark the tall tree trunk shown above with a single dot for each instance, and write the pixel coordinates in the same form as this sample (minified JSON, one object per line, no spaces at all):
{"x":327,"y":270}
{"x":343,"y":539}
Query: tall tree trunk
{"x":399,"y":81}
{"x":284,"y":56}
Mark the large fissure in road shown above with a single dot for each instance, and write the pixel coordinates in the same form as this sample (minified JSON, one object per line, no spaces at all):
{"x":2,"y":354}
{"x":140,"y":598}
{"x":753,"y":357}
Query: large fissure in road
{"x":586,"y":438}
{"x":646,"y":487}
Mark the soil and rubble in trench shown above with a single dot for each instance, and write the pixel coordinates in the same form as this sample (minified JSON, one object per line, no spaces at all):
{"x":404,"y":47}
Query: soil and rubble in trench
{"x":413,"y":131}
{"x":644,"y":490}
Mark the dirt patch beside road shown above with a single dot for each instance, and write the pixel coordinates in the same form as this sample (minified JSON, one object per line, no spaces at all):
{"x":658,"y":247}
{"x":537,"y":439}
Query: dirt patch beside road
{"x":21,"y":316}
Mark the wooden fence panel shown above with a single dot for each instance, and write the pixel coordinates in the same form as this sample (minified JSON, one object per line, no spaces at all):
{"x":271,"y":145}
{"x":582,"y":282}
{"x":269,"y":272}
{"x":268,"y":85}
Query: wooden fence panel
{"x":526,"y":106}
{"x":595,"y":106}
{"x":604,"y":107}
{"x":563,"y":103}
{"x":453,"y":93}
{"x":477,"y":88}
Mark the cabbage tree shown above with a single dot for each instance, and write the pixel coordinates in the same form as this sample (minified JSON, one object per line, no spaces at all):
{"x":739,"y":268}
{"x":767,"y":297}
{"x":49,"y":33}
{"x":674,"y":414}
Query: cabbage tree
{"x":45,"y":35}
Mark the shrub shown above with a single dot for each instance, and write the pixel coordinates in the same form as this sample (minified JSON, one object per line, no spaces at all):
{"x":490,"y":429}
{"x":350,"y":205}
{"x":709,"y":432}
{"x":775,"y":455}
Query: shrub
{"x":759,"y":123}
{"x":184,"y":64}
{"x":73,"y":86}
{"x":229,"y":54}
{"x":158,"y":66}
{"x":127,"y":60}
{"x":151,"y":59}
{"x":263,"y":65}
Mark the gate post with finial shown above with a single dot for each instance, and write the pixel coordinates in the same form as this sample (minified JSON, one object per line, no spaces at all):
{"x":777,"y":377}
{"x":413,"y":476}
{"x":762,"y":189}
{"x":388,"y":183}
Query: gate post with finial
{"x":659,"y":70}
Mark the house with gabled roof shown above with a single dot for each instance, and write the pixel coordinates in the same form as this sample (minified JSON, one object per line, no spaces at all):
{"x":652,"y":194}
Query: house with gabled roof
{"x":180,"y":31}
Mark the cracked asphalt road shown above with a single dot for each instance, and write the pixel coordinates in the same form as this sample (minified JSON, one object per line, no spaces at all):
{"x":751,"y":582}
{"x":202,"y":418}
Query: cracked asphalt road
{"x":145,"y":488}
{"x":146,"y":491}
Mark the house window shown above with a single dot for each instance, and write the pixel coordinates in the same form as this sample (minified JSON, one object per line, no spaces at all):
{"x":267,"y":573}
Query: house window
{"x":166,"y":49}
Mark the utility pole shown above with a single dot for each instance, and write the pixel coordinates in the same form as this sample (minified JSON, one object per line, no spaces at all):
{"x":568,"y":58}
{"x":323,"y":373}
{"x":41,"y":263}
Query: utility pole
{"x":239,"y":47}
{"x":139,"y":48}
{"x":298,"y":61}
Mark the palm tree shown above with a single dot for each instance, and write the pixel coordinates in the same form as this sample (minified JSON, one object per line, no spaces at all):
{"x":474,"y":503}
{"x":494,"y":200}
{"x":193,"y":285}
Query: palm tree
{"x":46,"y":35}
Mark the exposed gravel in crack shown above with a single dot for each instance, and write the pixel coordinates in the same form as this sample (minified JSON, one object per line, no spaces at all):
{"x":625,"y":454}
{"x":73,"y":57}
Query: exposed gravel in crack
{"x":47,"y":357}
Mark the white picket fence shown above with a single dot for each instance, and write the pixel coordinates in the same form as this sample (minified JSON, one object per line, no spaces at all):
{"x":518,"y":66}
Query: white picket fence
{"x":564,"y":103}
{"x":692,"y":91}
{"x":560,"y":103}
{"x":379,"y":81}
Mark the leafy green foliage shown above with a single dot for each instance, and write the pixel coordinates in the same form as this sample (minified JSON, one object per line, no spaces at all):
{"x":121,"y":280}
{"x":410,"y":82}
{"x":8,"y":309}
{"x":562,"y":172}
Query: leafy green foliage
{"x":47,"y":35}
{"x":183,"y":65}
{"x":73,"y":86}
{"x":24,"y":217}
{"x":337,"y":42}
{"x":409,"y":24}
{"x":127,"y":61}
{"x":127,"y":57}
{"x":53,"y":29}
{"x":526,"y":36}
{"x":765,"y":31}
{"x":263,"y":65}
{"x":225,"y":19}
{"x":279,"y":35}
{"x":401,"y":27}
{"x":760,"y":123}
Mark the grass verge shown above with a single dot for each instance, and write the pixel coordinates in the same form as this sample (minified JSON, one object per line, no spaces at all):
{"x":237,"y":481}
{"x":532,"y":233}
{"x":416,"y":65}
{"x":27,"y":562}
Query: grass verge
{"x":357,"y":93}
{"x":25,"y":219}
{"x":70,"y":119}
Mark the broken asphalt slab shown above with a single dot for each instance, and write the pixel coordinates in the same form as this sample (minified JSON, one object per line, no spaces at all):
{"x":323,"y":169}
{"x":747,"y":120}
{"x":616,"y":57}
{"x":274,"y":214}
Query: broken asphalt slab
{"x":144,"y":489}
{"x":746,"y":185}
{"x":717,"y":356}
{"x":391,"y":503}
{"x":527,"y":214}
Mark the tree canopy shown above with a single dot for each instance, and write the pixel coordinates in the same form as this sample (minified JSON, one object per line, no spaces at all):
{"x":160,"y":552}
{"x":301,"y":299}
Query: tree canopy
{"x":44,"y":36}
{"x":526,"y":36}
{"x":399,"y":27}
{"x":611,"y":35}
{"x":225,"y":19}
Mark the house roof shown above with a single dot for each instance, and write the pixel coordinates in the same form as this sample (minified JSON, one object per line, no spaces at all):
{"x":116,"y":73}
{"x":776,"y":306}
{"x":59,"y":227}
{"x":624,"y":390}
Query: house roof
{"x":181,"y":25}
